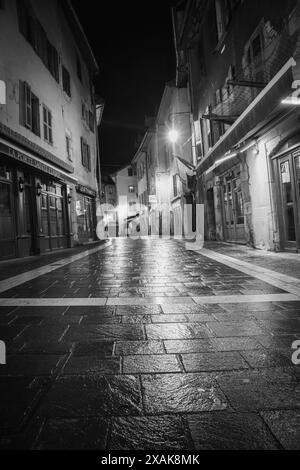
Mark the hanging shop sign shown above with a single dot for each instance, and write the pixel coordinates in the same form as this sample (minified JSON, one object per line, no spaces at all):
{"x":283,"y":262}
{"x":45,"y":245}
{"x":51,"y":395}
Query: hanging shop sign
{"x":84,"y":190}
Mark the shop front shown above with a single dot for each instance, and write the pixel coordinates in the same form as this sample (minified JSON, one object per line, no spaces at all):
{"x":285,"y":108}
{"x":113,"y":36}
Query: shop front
{"x":34,"y":209}
{"x":233,"y":211}
{"x":286,"y":169}
{"x":86,"y":213}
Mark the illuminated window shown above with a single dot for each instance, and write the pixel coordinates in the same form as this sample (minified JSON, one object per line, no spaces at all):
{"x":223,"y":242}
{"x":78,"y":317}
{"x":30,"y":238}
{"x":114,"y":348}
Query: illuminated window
{"x":131,"y":189}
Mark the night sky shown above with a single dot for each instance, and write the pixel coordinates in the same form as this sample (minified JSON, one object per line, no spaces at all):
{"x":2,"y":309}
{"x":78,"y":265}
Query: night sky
{"x":133,"y":44}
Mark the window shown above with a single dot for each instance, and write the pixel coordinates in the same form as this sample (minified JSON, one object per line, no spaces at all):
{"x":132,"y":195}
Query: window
{"x":66,"y":81}
{"x":69,"y":146}
{"x":85,"y":154}
{"x":47,"y":125}
{"x":31,"y":109}
{"x":175,"y":185}
{"x":130,"y":171}
{"x":131,"y":189}
{"x":78,"y":66}
{"x":91,"y":121}
{"x":34,"y":33}
{"x":52,"y":61}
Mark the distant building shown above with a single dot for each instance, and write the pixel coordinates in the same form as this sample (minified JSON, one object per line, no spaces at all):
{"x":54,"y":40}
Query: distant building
{"x":108,"y":199}
{"x":48,"y":144}
{"x":126,"y":188}
{"x":165,"y":166}
{"x":240,"y":61}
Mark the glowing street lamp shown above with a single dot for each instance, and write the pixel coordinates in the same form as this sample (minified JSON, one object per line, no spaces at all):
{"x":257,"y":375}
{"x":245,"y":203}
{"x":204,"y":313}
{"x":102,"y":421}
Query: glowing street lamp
{"x":173,"y":136}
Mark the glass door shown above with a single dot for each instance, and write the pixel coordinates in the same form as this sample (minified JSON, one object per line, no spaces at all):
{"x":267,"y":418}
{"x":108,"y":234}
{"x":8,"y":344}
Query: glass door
{"x":287,"y":202}
{"x":7,"y":223}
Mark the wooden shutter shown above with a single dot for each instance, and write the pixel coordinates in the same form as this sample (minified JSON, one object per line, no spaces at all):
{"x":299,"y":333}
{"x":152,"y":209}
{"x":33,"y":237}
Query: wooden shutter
{"x":27,"y":106}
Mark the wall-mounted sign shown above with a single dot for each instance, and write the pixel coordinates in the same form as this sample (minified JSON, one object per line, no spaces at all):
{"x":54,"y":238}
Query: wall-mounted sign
{"x":23,"y":158}
{"x":152,"y":199}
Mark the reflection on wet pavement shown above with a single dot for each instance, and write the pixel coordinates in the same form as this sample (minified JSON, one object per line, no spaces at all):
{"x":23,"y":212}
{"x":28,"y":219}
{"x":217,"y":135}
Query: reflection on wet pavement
{"x":168,"y":375}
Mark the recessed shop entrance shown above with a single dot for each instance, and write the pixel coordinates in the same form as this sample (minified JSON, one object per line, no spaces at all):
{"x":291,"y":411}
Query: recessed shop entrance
{"x":287,"y":184}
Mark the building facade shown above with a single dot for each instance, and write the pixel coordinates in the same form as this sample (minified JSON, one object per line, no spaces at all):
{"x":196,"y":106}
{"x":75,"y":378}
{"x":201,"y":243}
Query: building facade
{"x":165,"y":166}
{"x":127,"y":196}
{"x":48,"y":144}
{"x":240,"y":60}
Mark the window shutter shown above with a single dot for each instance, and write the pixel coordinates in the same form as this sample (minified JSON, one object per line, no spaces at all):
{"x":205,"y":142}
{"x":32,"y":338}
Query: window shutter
{"x":27,"y":106}
{"x":82,"y":150}
{"x":22,"y":17}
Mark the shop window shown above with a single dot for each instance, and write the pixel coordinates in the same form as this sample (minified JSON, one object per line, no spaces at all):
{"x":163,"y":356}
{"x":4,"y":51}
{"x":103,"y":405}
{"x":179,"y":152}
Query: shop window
{"x":66,"y":80}
{"x":6,"y":227}
{"x":47,"y":125}
{"x":85,"y":154}
{"x":31,"y":107}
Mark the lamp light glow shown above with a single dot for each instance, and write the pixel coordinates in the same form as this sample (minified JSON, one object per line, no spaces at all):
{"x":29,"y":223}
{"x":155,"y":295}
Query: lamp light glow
{"x":173,"y":136}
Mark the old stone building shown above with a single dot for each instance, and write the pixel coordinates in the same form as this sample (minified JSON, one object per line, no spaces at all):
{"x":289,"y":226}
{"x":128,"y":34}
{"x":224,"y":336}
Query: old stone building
{"x":240,"y":60}
{"x":48,"y":144}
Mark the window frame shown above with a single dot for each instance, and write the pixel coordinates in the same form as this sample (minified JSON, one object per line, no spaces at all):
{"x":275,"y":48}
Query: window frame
{"x":47,"y":125}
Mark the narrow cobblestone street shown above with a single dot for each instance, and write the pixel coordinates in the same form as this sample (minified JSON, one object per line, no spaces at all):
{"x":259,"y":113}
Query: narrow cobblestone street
{"x":140,"y":344}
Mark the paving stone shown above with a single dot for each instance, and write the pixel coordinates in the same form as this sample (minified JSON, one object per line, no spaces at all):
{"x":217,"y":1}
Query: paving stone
{"x":149,"y":433}
{"x":97,"y":395}
{"x":181,"y":308}
{"x":93,"y":348}
{"x":37,"y":347}
{"x":30,"y":365}
{"x":8,"y":333}
{"x":278,"y":327}
{"x":236,"y":343}
{"x":176,"y":331}
{"x":261,"y":394}
{"x":90,"y":310}
{"x":139,"y":319}
{"x":150,"y":363}
{"x":40,"y":311}
{"x":180,"y":318}
{"x":285,"y":425}
{"x":51,"y":333}
{"x":94,"y":332}
{"x":74,"y":434}
{"x":125,"y":348}
{"x":90,"y":365}
{"x":27,"y":320}
{"x":262,"y":358}
{"x":245,"y":328}
{"x":210,"y":361}
{"x":188,"y":346}
{"x":18,"y":395}
{"x":99,"y":319}
{"x":181,"y":393}
{"x":230,"y":431}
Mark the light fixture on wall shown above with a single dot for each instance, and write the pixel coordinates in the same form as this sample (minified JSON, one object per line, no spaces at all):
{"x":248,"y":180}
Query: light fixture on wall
{"x":21,"y":184}
{"x":69,"y":197}
{"x":38,"y":189}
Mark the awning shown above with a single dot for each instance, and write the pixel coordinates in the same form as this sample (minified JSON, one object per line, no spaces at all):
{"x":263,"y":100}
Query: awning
{"x":261,"y":107}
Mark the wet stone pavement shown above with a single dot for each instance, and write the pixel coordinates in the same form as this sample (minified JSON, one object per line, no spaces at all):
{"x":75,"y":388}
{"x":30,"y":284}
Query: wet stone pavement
{"x":136,"y":347}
